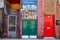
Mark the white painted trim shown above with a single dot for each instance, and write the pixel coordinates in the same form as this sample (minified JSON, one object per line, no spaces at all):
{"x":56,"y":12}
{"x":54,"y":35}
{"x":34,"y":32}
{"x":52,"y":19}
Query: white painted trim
{"x":25,"y":36}
{"x":33,"y":36}
{"x":11,"y":25}
{"x":15,"y":21}
{"x":49,"y":38}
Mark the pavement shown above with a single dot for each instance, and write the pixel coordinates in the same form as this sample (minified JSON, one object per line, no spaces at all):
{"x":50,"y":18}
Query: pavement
{"x":45,"y":38}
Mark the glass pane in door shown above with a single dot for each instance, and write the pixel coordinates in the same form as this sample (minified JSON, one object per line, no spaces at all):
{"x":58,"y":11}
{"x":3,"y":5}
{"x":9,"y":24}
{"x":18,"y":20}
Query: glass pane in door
{"x":12,"y":20}
{"x":12,"y":26}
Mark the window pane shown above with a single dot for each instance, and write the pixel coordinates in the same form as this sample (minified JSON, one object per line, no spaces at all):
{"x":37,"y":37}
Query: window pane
{"x":11,"y":28}
{"x":12,"y":20}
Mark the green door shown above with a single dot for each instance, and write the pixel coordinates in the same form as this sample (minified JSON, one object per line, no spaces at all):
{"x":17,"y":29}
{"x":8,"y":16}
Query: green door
{"x":25,"y":27}
{"x":33,"y":26}
{"x":29,"y":27}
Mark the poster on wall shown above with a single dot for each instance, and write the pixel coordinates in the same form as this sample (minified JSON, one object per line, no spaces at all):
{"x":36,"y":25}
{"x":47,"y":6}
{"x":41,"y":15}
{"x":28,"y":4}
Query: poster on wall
{"x":29,"y":4}
{"x":29,"y":9}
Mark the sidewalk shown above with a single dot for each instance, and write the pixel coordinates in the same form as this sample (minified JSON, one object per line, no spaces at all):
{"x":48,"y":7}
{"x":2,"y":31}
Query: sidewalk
{"x":46,"y":38}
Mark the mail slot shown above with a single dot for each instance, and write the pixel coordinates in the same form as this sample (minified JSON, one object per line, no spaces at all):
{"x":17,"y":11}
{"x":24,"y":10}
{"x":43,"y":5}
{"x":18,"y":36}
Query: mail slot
{"x":48,"y":25}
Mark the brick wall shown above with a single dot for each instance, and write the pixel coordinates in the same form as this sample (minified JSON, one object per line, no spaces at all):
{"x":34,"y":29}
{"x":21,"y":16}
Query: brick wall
{"x":48,"y":6}
{"x":40,"y":19}
{"x":57,"y":18}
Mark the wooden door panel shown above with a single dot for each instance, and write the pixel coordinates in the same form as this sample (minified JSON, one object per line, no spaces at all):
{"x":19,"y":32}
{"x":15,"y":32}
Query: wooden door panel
{"x":48,"y":25}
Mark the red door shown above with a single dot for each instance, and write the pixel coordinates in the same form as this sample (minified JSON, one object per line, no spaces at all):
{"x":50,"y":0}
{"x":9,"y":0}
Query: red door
{"x":48,"y":25}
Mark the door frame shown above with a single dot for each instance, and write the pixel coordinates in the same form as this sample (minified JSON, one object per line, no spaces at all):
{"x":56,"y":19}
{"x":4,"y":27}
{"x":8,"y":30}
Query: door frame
{"x":11,"y":25}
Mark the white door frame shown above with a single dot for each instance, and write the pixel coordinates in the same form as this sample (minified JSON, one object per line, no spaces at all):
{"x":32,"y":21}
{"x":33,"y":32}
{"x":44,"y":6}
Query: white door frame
{"x":12,"y":25}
